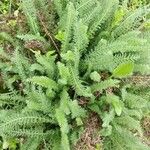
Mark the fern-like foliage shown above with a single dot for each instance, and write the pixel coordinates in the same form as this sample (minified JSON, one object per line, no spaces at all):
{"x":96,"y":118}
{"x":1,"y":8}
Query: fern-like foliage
{"x":131,"y":21}
{"x":31,"y":144}
{"x":67,"y":107}
{"x":31,"y":14}
{"x":129,"y":50}
{"x":60,"y":6}
{"x":126,"y":140}
{"x":14,"y":124}
{"x":48,"y":92}
{"x":70,"y":17}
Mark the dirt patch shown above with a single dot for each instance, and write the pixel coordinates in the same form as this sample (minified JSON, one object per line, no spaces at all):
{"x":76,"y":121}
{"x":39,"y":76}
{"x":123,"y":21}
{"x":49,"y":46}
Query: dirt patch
{"x":146,"y":127}
{"x":90,"y":139}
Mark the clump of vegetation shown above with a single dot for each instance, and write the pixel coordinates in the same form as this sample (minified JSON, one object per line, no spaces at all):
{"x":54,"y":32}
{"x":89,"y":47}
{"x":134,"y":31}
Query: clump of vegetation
{"x":72,"y":65}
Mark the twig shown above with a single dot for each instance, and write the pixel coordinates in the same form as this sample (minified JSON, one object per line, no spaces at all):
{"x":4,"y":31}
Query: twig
{"x":49,"y":34}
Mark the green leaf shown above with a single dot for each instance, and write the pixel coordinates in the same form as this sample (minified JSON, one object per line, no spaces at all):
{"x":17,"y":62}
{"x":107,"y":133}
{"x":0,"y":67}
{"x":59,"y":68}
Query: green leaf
{"x":123,"y":70}
{"x":65,"y":100}
{"x":94,"y":107}
{"x":62,"y":81}
{"x":68,"y":56}
{"x":7,"y":37}
{"x":76,"y":110}
{"x":95,"y":76}
{"x":116,"y":103}
{"x":30,"y":37}
{"x":118,"y":107}
{"x":107,"y":118}
{"x":43,"y":81}
{"x":119,"y":14}
{"x":105,"y":84}
{"x":5,"y":145}
{"x":65,"y":142}
{"x":60,"y":36}
{"x":62,"y":121}
{"x":79,"y":121}
{"x":64,"y":73}
{"x":106,"y":131}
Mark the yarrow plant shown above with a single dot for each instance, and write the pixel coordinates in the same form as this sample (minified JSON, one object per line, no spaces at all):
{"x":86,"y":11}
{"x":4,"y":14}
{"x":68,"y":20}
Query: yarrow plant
{"x":95,"y":48}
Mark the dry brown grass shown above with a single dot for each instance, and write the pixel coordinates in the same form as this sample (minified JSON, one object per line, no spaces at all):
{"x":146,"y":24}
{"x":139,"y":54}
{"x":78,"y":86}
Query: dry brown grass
{"x":146,"y":127}
{"x":90,"y":137}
